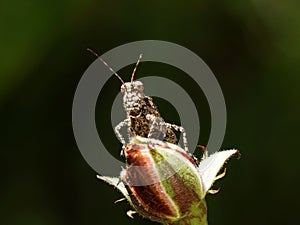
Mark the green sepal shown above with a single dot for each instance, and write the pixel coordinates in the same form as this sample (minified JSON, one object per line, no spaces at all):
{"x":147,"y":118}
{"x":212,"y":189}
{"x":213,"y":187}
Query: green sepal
{"x":197,"y":216}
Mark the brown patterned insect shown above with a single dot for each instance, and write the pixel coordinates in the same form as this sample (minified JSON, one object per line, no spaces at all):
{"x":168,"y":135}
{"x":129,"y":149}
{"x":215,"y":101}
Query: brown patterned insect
{"x":143,"y":118}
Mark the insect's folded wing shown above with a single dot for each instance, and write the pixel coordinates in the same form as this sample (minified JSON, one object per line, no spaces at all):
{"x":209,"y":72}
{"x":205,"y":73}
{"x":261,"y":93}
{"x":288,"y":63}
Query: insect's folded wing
{"x":210,"y":167}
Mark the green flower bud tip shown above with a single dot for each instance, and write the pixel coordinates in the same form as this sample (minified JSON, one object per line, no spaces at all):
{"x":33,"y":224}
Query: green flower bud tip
{"x":163,"y":183}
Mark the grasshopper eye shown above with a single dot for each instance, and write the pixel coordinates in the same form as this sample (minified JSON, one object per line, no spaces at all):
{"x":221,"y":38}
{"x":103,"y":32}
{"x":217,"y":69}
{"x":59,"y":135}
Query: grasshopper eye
{"x":123,"y":89}
{"x":139,"y":86}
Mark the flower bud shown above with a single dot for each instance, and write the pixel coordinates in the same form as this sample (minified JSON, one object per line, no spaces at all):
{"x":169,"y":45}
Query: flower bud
{"x":164,"y":184}
{"x":162,"y":180}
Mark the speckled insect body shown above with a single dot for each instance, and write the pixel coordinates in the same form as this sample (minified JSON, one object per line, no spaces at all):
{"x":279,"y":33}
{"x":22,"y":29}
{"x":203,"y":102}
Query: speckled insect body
{"x":142,"y":115}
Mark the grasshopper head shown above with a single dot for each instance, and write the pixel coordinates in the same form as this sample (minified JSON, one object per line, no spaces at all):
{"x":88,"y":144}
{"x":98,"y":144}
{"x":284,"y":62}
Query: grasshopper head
{"x":133,"y":92}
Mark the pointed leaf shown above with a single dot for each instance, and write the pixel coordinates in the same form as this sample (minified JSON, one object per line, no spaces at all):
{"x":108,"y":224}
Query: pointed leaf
{"x":210,"y":167}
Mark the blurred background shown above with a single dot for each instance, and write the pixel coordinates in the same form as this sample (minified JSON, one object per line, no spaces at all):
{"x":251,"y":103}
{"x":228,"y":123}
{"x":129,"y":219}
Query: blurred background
{"x":253,"y":48}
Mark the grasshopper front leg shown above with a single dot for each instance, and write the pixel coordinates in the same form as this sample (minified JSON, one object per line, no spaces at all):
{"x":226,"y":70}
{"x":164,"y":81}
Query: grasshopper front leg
{"x":123,"y":123}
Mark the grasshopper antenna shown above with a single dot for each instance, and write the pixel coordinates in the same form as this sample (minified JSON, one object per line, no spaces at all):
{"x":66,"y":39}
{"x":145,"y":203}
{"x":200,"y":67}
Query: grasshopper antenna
{"x":137,"y":63}
{"x":94,"y":53}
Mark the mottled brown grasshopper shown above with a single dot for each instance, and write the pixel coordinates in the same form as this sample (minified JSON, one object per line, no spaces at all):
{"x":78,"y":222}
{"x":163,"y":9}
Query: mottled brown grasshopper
{"x":143,"y":118}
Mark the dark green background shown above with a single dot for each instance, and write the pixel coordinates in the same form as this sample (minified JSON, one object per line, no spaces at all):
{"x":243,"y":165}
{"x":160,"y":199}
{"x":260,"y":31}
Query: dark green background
{"x":253,"y":48}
